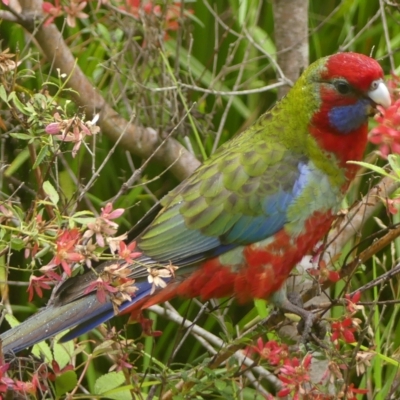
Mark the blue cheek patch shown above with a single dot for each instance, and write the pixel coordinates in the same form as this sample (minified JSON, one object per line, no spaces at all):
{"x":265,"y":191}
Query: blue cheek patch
{"x":348,"y":118}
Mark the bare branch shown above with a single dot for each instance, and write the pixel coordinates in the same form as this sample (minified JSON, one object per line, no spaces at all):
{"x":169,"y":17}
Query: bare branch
{"x":355,"y":220}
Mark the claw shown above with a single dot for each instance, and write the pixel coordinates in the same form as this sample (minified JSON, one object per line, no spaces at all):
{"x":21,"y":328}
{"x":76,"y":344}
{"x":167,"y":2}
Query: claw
{"x":310,"y":325}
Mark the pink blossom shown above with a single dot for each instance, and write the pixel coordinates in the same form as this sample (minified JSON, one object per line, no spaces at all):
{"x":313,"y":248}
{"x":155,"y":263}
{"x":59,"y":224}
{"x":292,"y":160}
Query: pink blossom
{"x":53,"y":10}
{"x":102,"y":288}
{"x":66,"y":253}
{"x":72,"y":130}
{"x":126,"y":252}
{"x":36,"y":284}
{"x":392,"y":205}
{"x":107,"y":212}
{"x":5,"y":382}
{"x":74,"y":10}
{"x":387,"y":133}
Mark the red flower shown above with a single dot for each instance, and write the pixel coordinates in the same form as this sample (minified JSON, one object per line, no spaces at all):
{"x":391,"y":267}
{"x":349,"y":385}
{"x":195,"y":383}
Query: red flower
{"x":393,"y":84}
{"x":387,"y":133}
{"x":352,"y":302}
{"x":126,"y":252}
{"x":57,"y":371}
{"x":66,"y":253}
{"x":343,"y":330}
{"x":392,"y":205}
{"x":102,"y":288}
{"x":73,"y":10}
{"x":271,"y":351}
{"x":323,"y":273}
{"x":36,"y":284}
{"x":48,"y":271}
{"x":294,"y":375}
{"x":27,"y":387}
{"x":53,"y":10}
{"x":6,"y":383}
{"x":171,"y":14}
{"x":352,"y":391}
{"x":31,"y":251}
{"x":147,"y":326}
{"x":37,"y":382}
{"x":122,"y":363}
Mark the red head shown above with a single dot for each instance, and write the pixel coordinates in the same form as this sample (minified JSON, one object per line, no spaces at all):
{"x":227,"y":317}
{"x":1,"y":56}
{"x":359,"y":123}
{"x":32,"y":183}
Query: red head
{"x":359,"y":70}
{"x":350,"y":86}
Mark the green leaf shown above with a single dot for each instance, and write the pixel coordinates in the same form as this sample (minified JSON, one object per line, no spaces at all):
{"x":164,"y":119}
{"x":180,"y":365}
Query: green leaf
{"x":17,"y":243}
{"x":66,"y":382}
{"x":42,"y":350}
{"x":84,"y":221}
{"x":372,"y":167}
{"x":220,"y":385}
{"x":18,"y":104}
{"x":261,"y":306}
{"x":122,"y":393}
{"x":41,"y":156}
{"x":394,"y":161}
{"x":3,"y":95}
{"x":12,"y":320}
{"x":42,"y":252}
{"x":263,"y":40}
{"x":84,"y":212}
{"x":243,"y":12}
{"x":51,"y":192}
{"x":104,"y":32}
{"x":108,"y":382}
{"x":40,"y":101}
{"x":103,"y":348}
{"x":63,"y":352}
{"x":21,"y":136}
{"x":17,"y":162}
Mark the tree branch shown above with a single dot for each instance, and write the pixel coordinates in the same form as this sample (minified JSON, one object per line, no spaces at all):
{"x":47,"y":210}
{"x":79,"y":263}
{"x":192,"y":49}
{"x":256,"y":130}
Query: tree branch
{"x":291,"y":38}
{"x":138,"y":140}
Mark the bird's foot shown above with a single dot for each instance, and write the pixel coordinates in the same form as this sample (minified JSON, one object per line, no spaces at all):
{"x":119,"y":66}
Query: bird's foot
{"x":310,"y":326}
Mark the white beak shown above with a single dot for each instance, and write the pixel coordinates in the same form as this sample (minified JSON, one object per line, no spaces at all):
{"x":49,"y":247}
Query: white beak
{"x":379,"y":94}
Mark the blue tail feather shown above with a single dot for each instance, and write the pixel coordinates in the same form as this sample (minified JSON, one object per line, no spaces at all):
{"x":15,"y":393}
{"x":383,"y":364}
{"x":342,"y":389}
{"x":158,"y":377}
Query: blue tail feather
{"x":84,"y":314}
{"x":103,"y":316}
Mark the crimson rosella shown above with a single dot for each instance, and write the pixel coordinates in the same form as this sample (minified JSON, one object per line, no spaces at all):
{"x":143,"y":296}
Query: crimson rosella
{"x":242,"y":221}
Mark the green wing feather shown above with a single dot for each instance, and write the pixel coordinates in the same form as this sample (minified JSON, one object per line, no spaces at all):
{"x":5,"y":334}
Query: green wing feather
{"x":233,"y":185}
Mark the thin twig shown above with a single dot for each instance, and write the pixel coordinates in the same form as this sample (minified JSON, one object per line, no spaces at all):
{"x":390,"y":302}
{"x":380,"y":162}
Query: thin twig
{"x":386,"y":33}
{"x":228,"y":350}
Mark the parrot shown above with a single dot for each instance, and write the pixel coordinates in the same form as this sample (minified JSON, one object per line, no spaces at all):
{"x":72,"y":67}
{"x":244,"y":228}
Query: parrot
{"x":243,"y":220}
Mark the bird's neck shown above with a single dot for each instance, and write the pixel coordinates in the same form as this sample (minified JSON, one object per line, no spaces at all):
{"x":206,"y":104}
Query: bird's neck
{"x":344,"y":148}
{"x":335,"y":135}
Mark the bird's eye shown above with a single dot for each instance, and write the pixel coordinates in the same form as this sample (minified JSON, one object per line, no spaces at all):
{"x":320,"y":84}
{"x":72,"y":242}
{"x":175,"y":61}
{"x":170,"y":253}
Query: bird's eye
{"x":375,"y":84}
{"x":342,"y":87}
